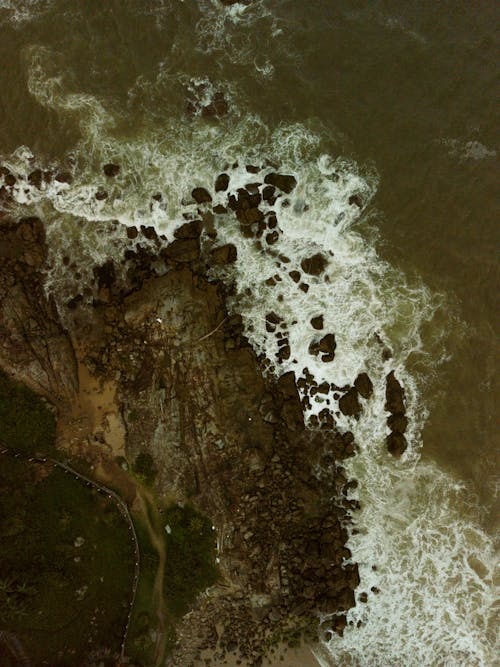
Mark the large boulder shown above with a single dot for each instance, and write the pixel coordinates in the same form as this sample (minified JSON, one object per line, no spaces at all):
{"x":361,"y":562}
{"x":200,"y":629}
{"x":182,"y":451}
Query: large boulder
{"x":349,"y":404}
{"x":314,"y":265}
{"x":201,"y":195}
{"x":284,"y":182}
{"x":364,"y":385}
{"x":224,"y":254}
{"x":394,"y":395}
{"x":396,"y":444}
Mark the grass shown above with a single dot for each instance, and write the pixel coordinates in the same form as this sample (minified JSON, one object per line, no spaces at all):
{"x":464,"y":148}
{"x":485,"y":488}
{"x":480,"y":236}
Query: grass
{"x":66,"y":557}
{"x":66,"y":565}
{"x":190,"y":564}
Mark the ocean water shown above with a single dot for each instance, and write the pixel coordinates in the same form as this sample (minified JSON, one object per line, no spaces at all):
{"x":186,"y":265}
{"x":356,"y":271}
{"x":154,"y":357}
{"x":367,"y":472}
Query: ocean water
{"x":387,"y":102}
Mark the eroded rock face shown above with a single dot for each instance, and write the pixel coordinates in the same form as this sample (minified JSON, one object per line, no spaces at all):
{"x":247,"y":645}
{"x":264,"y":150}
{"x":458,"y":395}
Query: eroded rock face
{"x":34,"y":347}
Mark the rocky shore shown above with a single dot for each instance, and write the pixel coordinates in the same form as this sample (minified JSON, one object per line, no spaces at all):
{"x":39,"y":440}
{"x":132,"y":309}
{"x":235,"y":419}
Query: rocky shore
{"x":147,"y":368}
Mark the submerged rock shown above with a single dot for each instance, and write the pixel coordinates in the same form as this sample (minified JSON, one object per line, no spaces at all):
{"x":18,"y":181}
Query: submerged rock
{"x":111,"y":169}
{"x":189,"y":230}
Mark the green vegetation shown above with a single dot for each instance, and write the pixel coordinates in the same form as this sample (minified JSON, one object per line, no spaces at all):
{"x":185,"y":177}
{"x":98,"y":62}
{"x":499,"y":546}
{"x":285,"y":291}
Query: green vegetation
{"x":66,"y":564}
{"x":26,"y":423}
{"x":140,"y":645}
{"x":66,"y":557}
{"x":145,"y":469}
{"x":190,"y":565}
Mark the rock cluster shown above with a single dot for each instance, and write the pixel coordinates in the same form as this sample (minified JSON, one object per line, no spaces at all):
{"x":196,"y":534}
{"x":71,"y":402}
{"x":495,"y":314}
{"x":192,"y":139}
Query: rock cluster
{"x":397,"y":421}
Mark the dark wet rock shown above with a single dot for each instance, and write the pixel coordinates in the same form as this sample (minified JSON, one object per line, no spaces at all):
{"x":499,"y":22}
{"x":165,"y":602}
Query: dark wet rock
{"x":252,"y":169}
{"x":111,"y":169}
{"x":149,"y":232}
{"x":285,"y":182}
{"x":201,"y":196}
{"x":189,"y":230}
{"x":394,"y":395}
{"x":356,"y":200}
{"x":304,"y":287}
{"x":317,"y":322}
{"x":295,"y":276}
{"x":268,"y":194}
{"x":272,"y":237}
{"x":221,"y":183}
{"x":183,"y":250}
{"x":272,"y":221}
{"x":157,"y":197}
{"x":225,"y":254}
{"x":364,"y":385}
{"x":73,"y":303}
{"x":396,"y":444}
{"x":132,"y":232}
{"x":398,"y":422}
{"x":273,"y":318}
{"x":217,"y":107}
{"x":105,"y":274}
{"x":36,"y":178}
{"x":349,"y":404}
{"x":220,"y":209}
{"x":64,"y":177}
{"x":101,"y":194}
{"x":314,"y":265}
{"x":326,"y":346}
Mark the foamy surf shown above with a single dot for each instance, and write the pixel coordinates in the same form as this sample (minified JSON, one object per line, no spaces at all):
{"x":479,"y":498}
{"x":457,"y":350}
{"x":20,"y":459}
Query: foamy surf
{"x":417,"y":526}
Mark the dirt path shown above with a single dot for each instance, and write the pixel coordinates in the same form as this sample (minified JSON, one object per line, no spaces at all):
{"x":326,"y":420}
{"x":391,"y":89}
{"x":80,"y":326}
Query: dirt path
{"x":147,"y":504}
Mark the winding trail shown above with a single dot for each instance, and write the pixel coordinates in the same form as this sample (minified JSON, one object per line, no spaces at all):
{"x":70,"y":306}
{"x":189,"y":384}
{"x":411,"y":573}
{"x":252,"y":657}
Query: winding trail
{"x":122,"y":506}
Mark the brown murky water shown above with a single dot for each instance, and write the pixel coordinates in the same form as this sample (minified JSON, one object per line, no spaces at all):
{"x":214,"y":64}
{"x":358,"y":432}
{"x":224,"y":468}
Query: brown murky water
{"x":406,"y":90}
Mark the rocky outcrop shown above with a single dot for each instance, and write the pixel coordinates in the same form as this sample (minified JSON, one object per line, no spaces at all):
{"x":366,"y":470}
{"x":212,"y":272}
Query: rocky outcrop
{"x":397,"y":421}
{"x":34,"y":346}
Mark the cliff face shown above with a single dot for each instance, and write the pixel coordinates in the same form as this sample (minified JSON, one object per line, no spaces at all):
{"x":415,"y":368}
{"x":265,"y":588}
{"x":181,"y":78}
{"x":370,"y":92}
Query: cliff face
{"x":34,"y":347}
{"x":158,"y":370}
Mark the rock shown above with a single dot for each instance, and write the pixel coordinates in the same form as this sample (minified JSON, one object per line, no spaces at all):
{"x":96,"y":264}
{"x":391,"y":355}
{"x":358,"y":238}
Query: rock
{"x":304,"y":287}
{"x":272,"y":237}
{"x":364,"y":385}
{"x":218,"y":106}
{"x":189,"y":230}
{"x":105,"y":274}
{"x":201,"y":196}
{"x":284,"y":182}
{"x":295,"y":276}
{"x":273,"y":318}
{"x":132,"y":232}
{"x":221,"y":183}
{"x":111,"y":169}
{"x":349,"y":404}
{"x":36,"y":178}
{"x":149,"y":232}
{"x":394,"y":395}
{"x":314,"y":265}
{"x":287,"y":387}
{"x":317,"y":322}
{"x":65,"y":177}
{"x":268,"y":194}
{"x":183,"y":250}
{"x":396,"y":444}
{"x":397,"y":422}
{"x":356,"y":200}
{"x":327,"y":345}
{"x":101,"y":194}
{"x":225,"y":254}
